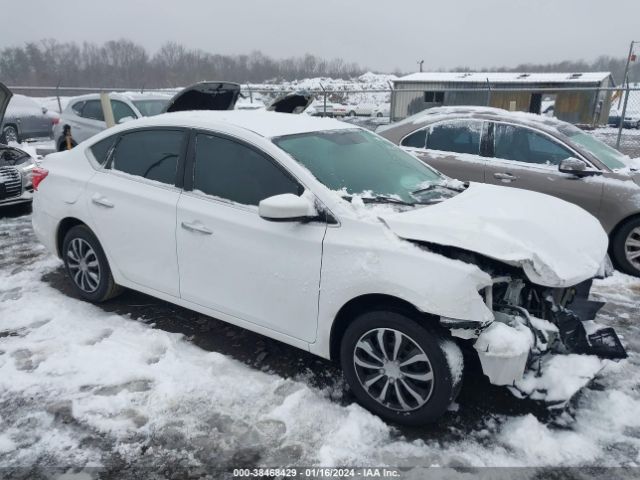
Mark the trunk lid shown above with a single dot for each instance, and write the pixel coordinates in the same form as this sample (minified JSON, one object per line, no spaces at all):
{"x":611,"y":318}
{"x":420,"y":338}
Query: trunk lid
{"x":205,"y":96}
{"x":296,"y":102}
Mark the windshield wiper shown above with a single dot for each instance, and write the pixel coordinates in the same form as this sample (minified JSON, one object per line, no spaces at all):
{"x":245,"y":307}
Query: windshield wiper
{"x":433,"y":186}
{"x":382,"y":199}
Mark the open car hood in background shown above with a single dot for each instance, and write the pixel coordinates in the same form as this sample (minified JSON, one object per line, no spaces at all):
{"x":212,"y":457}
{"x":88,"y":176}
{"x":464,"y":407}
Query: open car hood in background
{"x":296,"y":102}
{"x":5,"y":96}
{"x":205,"y":96}
{"x":556,"y":243}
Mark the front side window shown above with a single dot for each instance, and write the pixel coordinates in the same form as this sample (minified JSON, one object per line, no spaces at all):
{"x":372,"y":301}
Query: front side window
{"x":522,"y":144}
{"x":151,"y":154}
{"x":611,"y":157}
{"x":149,"y":108}
{"x":458,"y":136}
{"x":232,"y":171}
{"x":359,"y":162}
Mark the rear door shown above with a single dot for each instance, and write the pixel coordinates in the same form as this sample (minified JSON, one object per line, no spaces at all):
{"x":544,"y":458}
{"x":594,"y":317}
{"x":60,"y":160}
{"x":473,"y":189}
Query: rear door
{"x":88,"y":121}
{"x":529,"y":159}
{"x":133,"y":205}
{"x":453,"y":147}
{"x":232,"y":260}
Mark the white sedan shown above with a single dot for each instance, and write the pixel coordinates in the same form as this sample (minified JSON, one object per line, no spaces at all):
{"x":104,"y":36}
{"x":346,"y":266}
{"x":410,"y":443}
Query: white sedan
{"x":329,"y":238}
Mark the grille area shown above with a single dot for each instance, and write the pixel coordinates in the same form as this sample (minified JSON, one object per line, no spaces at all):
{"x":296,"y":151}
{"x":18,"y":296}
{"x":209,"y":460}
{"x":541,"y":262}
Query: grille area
{"x":10,"y":183}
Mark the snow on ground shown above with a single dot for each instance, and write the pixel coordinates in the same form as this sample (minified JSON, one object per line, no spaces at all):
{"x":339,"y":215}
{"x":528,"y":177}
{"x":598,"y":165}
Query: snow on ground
{"x":82,"y":387}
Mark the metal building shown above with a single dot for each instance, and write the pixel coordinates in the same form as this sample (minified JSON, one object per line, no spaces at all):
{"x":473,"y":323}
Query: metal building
{"x":579,"y":98}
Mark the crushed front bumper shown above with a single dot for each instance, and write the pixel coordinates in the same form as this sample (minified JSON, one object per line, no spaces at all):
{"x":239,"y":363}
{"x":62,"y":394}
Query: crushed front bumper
{"x":547,"y":360}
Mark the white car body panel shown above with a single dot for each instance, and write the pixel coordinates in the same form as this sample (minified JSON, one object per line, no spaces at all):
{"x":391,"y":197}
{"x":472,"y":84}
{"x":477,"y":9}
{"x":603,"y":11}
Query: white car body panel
{"x":518,"y":227}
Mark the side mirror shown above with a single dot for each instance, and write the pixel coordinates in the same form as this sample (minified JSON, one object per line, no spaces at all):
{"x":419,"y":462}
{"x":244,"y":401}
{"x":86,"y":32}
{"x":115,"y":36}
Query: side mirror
{"x":286,"y":208}
{"x":44,"y":110}
{"x":575,"y":166}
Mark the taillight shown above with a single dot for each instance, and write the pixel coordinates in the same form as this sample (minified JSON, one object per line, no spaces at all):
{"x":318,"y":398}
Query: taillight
{"x":55,"y":120}
{"x":38,"y":174}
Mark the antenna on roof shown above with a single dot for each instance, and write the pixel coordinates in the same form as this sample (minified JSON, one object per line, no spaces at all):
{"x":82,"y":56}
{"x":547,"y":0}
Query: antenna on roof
{"x":420,"y":62}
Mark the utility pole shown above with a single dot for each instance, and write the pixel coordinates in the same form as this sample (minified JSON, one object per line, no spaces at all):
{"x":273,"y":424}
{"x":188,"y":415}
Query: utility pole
{"x":630,"y":58}
{"x":420,"y":62}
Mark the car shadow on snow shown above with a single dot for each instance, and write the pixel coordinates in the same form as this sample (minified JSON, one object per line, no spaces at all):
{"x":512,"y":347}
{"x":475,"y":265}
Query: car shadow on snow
{"x":478,"y":404}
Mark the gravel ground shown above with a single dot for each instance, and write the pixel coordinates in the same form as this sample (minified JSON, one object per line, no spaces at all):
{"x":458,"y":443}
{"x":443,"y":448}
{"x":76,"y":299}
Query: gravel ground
{"x":138,"y":387}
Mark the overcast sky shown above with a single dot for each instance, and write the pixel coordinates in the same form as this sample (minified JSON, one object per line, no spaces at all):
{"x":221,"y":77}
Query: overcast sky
{"x":383,"y":35}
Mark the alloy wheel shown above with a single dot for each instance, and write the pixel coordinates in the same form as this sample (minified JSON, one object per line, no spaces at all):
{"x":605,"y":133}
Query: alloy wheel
{"x":632,"y":248}
{"x":83,"y":265}
{"x":393,"y":369}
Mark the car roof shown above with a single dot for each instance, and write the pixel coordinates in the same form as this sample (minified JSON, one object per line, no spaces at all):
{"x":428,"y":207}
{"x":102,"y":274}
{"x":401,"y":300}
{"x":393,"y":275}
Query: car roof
{"x":264,"y":123}
{"x":440,"y":113}
{"x":131,"y":96}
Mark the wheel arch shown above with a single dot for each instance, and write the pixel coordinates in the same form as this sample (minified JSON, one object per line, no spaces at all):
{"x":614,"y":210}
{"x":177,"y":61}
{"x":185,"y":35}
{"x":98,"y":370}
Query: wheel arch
{"x":364,"y":303}
{"x":10,"y":124}
{"x":621,"y":223}
{"x":64,"y":226}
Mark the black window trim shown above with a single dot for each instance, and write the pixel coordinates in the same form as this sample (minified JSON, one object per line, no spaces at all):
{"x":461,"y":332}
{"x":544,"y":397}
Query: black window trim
{"x":180,"y":169}
{"x":189,"y":170}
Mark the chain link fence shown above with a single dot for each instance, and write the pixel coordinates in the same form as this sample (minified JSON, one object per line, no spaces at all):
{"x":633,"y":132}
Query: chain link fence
{"x":610,"y":114}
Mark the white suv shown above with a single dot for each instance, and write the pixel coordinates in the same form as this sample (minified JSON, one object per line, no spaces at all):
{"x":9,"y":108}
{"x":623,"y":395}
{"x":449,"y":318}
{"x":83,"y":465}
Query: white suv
{"x":329,"y":238}
{"x":85,"y":116}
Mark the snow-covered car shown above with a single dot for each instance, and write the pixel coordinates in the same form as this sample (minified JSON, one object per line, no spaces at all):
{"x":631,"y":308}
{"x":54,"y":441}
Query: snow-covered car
{"x":85,"y":116}
{"x":532,"y":152}
{"x":15,"y":166}
{"x":382,"y":110}
{"x":331,"y":239}
{"x":24,"y":119}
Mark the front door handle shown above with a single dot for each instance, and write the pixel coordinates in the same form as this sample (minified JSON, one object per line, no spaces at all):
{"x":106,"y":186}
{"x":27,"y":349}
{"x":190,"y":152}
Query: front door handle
{"x":505,"y":177}
{"x":196,"y":227}
{"x":102,"y":201}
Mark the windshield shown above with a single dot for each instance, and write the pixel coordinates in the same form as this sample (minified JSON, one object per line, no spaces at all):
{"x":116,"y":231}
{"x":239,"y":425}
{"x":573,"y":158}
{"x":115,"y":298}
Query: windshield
{"x":149,"y":108}
{"x":603,"y":152}
{"x":357,"y":162}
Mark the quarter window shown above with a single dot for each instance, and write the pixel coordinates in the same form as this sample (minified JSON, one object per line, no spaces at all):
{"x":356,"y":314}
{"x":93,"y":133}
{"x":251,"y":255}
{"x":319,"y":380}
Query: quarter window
{"x":460,"y":136}
{"x":416,"y":139}
{"x":152,"y":154}
{"x":101,"y":149}
{"x":121,"y":110}
{"x":525,"y":145}
{"x":232,"y":171}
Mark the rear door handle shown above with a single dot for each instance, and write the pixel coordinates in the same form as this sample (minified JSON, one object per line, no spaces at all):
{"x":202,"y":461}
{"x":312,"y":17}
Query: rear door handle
{"x":504,"y":176}
{"x":196,"y":227}
{"x":102,"y":201}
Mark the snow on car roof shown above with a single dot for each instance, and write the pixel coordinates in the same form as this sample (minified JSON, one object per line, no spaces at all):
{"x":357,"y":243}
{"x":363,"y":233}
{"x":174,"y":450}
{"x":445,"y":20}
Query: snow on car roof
{"x":264,"y":123}
{"x":505,"y":77}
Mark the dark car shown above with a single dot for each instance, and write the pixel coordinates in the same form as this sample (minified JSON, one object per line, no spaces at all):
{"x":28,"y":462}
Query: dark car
{"x":24,"y":119}
{"x":15,"y":166}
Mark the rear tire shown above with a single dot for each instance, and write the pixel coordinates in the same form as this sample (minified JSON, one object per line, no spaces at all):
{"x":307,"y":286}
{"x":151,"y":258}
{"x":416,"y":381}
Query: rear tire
{"x":10,"y":134}
{"x":386,"y":381}
{"x":625,"y":247}
{"x":87,"y":266}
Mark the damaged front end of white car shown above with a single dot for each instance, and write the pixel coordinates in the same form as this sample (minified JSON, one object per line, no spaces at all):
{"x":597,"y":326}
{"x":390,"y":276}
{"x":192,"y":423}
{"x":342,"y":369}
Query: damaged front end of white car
{"x":543,"y":343}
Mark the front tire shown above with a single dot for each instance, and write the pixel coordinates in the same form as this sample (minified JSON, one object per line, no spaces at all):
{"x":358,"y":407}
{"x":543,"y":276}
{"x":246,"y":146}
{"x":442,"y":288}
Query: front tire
{"x":87,"y":266}
{"x":625,"y":247}
{"x":398,"y":369}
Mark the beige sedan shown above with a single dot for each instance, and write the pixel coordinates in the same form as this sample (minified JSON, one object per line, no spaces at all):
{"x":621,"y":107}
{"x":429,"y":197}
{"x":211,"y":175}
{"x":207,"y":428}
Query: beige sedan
{"x":532,"y":152}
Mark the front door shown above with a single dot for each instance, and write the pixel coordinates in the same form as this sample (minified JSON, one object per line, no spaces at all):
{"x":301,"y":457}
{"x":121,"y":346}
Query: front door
{"x":528,"y":159}
{"x":133,"y":204}
{"x":232,"y":260}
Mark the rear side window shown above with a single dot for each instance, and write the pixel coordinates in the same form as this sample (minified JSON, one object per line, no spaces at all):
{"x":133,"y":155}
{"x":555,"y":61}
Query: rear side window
{"x":77,"y":108}
{"x":416,"y":139}
{"x":460,"y":136}
{"x":101,"y":149}
{"x":232,"y":171}
{"x":152,"y":154}
{"x":92,"y":109}
{"x":121,"y":110}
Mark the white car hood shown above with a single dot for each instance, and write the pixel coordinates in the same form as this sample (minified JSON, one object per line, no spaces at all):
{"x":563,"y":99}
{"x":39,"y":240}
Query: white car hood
{"x":557,"y":244}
